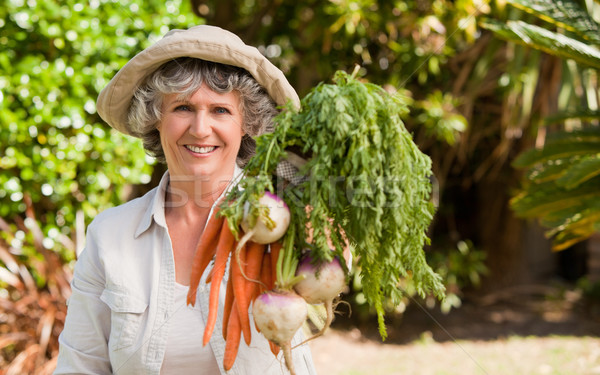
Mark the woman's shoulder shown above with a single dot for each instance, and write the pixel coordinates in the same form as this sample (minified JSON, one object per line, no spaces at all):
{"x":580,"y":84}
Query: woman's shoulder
{"x":123,"y":215}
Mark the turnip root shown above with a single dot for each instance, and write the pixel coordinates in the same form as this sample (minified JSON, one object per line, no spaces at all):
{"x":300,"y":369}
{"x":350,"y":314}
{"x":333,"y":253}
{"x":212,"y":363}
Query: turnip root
{"x":278,"y":315}
{"x":321,"y":283}
{"x":268,"y":227}
{"x":271,"y":228}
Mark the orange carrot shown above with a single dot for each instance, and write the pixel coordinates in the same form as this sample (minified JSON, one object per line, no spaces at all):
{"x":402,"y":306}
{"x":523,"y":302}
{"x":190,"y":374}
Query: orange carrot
{"x":242,"y":300}
{"x":204,"y":252}
{"x":229,"y":301}
{"x":265,"y":280}
{"x":225,"y":246}
{"x":274,"y":348}
{"x":209,"y":276}
{"x":254,"y":262}
{"x":232,"y":343}
{"x":254,"y":255}
{"x":257,"y":290}
{"x":266,"y":273}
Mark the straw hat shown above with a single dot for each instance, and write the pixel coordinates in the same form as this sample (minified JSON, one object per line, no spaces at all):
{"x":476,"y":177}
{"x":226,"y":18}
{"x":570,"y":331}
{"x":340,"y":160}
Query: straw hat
{"x":203,"y":42}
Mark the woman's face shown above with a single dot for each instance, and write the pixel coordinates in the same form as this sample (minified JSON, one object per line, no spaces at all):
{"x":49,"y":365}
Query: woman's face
{"x":201,"y":135}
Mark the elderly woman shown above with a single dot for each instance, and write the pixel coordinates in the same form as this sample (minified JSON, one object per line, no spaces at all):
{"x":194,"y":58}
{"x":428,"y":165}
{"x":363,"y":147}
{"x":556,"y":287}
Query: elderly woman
{"x":195,"y":98}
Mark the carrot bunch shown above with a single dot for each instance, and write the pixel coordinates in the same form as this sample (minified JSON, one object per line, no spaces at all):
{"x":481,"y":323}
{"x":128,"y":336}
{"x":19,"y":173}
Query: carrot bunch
{"x":252,"y":271}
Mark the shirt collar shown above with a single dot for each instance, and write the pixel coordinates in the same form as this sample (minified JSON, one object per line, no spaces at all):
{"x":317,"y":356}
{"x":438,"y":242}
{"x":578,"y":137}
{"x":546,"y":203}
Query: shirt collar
{"x":156,"y":209}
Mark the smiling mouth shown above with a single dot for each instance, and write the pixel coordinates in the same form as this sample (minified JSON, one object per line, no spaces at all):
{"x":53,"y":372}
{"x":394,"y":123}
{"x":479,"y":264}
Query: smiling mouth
{"x":200,"y":150}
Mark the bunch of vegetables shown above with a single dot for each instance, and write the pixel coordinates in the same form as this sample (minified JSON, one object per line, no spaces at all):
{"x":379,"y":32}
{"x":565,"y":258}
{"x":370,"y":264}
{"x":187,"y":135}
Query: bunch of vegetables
{"x":363,"y":181}
{"x":252,"y":275}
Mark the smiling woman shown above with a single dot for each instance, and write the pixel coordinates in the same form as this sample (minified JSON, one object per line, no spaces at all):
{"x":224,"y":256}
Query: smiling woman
{"x":196,"y":98}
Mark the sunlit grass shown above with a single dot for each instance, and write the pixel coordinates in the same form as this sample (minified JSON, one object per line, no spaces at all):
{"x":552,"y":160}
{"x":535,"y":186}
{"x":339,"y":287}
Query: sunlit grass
{"x":553,"y":355}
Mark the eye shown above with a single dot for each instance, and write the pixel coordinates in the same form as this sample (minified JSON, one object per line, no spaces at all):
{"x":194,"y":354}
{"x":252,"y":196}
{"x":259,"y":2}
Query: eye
{"x":182,"y":107}
{"x":222,"y":110}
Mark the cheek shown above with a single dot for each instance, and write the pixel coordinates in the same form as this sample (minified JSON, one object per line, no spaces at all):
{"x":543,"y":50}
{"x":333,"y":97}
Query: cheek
{"x":171,"y":129}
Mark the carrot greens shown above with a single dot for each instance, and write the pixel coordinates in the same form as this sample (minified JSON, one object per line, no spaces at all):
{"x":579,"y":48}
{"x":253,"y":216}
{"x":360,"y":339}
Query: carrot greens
{"x":364,"y":181}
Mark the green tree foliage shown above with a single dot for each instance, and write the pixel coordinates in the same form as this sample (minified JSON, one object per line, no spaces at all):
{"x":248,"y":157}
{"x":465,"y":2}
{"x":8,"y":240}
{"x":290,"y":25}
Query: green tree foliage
{"x":55,"y":152}
{"x":59,"y":163}
{"x":400,"y":44}
{"x":562,"y":187}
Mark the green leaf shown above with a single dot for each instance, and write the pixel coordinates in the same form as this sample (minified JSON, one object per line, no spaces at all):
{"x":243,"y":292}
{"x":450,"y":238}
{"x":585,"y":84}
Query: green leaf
{"x":549,"y":171}
{"x":547,"y":41}
{"x":574,"y":218}
{"x":567,"y":14}
{"x":573,"y":225}
{"x":539,"y":200}
{"x":584,"y":170}
{"x":555,"y":152}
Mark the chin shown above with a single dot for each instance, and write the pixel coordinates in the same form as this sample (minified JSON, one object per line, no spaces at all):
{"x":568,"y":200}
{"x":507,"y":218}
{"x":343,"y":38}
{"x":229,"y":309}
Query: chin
{"x":218,"y":172}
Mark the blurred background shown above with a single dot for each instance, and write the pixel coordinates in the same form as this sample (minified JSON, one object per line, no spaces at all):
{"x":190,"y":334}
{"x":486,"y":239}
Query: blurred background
{"x":503,"y":97}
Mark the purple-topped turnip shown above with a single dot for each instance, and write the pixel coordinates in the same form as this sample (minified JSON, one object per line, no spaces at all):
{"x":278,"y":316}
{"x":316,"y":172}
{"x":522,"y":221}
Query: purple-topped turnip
{"x":278,"y":315}
{"x":320,"y":282}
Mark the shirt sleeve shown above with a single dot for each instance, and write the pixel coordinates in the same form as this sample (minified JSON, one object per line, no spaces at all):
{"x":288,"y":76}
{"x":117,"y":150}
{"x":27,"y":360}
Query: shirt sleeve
{"x":84,"y":339}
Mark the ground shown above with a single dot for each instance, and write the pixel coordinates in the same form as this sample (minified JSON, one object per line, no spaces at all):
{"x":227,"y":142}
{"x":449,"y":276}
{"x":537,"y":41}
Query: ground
{"x":526,"y":330}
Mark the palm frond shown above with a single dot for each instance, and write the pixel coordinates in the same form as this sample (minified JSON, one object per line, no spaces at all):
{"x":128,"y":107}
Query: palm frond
{"x":573,"y":220}
{"x":563,"y":186}
{"x":566,"y":239}
{"x":549,"y":171}
{"x":567,"y":14}
{"x":545,"y":40}
{"x":570,"y":229}
{"x":556,"y":152}
{"x":541,"y":200}
{"x":586,"y":169}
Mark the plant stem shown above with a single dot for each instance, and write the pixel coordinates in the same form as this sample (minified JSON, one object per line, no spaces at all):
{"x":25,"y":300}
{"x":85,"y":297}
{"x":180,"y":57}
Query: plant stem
{"x":267,"y":164}
{"x":287,"y":263}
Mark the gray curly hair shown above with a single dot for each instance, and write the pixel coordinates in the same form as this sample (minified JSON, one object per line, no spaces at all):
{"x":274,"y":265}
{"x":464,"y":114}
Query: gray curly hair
{"x":184,"y":76}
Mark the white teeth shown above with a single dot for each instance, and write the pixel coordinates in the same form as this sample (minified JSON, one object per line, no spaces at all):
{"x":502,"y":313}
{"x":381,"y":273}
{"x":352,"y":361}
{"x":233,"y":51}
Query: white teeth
{"x":200,"y":150}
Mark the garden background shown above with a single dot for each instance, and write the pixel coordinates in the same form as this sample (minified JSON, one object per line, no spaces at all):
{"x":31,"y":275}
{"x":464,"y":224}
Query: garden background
{"x":503,"y":97}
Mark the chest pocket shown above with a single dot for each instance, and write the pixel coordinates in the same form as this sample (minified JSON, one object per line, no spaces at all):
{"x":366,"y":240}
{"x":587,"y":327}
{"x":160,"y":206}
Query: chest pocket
{"x":126,"y":316}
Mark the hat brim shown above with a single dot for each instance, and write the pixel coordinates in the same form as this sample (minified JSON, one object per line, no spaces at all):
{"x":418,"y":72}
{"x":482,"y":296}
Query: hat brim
{"x":205,"y":42}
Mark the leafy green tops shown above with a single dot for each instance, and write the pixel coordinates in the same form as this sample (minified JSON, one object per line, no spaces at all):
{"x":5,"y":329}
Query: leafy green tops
{"x":366,"y":181}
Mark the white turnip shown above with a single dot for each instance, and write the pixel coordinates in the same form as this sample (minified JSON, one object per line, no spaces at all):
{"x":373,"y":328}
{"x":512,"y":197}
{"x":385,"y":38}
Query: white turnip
{"x":270,"y":225}
{"x":270,"y":228}
{"x":320,"y":282}
{"x":278,"y":315}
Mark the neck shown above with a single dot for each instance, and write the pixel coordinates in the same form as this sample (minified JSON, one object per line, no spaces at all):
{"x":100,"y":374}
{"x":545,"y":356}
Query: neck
{"x":193,"y":195}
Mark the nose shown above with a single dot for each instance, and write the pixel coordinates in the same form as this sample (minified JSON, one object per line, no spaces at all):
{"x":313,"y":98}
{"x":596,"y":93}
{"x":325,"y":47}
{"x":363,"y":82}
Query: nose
{"x":200,"y":125}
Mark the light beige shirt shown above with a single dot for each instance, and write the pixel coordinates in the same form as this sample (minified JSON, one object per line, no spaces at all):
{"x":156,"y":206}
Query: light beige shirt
{"x":122,"y":301}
